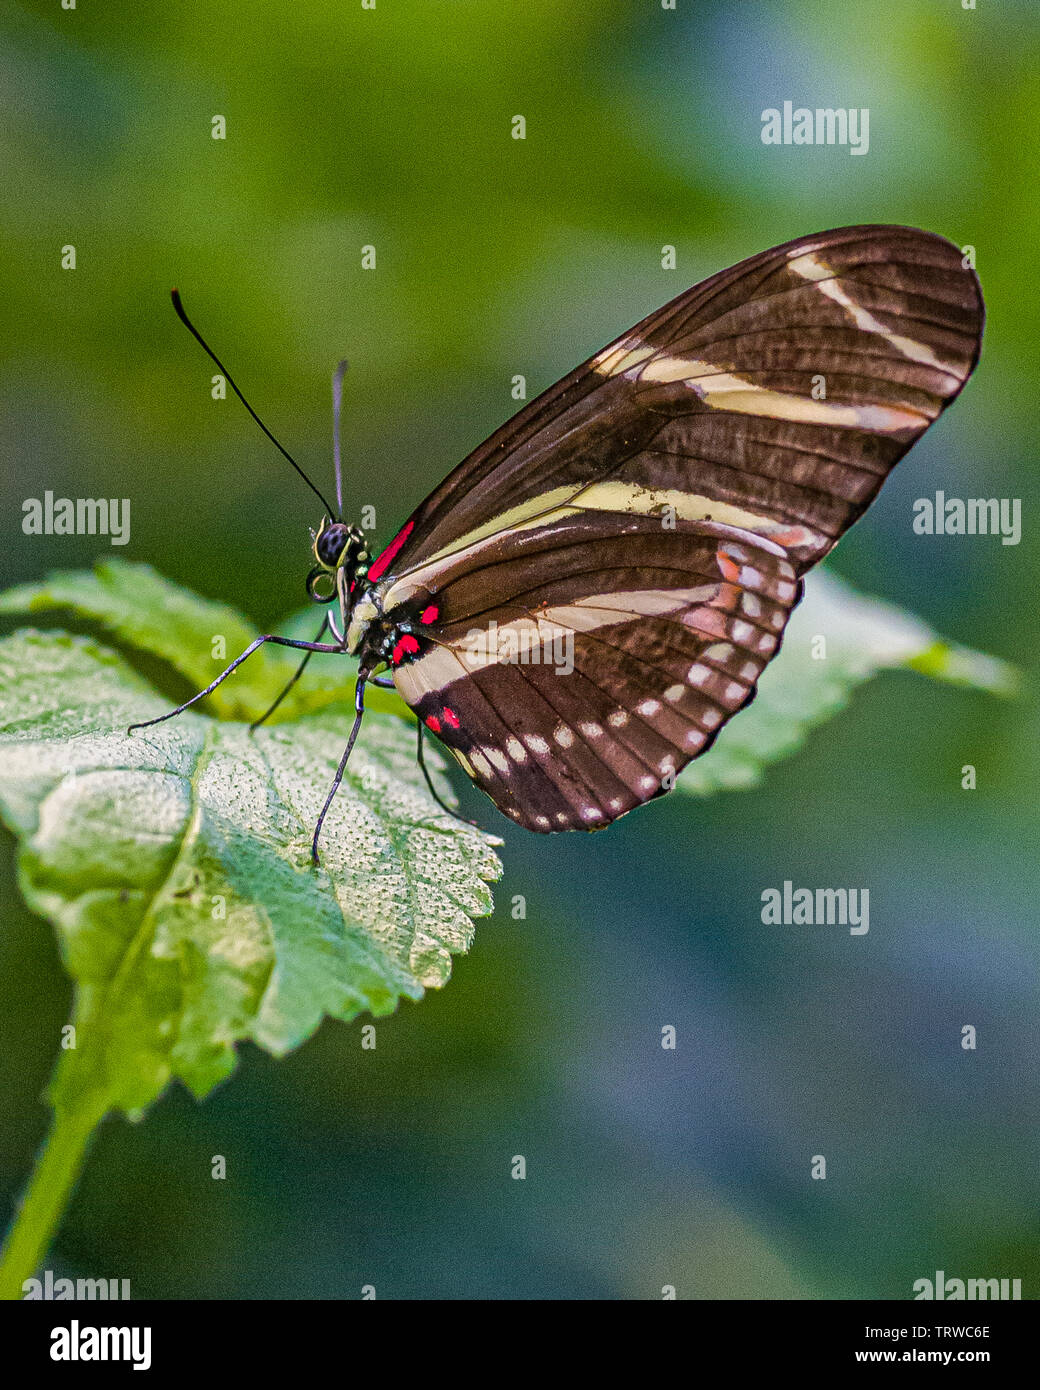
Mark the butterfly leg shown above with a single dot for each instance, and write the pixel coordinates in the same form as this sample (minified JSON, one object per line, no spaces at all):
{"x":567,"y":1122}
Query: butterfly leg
{"x":292,"y":680}
{"x":278,"y":641}
{"x":429,"y":782}
{"x":359,"y":706}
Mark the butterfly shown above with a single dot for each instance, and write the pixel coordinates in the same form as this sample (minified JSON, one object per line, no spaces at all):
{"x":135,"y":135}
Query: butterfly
{"x":581,"y":605}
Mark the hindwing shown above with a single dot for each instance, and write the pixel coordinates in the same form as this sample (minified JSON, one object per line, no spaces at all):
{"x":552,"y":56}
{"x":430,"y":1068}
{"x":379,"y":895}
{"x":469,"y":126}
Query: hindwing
{"x":600,"y":666}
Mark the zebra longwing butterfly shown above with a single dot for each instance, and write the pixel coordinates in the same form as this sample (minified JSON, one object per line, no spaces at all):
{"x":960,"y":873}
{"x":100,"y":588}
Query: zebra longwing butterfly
{"x":651,"y":517}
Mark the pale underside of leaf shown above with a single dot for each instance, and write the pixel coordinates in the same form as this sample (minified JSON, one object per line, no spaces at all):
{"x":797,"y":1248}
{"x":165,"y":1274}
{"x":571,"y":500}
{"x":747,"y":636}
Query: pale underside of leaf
{"x":175,"y":864}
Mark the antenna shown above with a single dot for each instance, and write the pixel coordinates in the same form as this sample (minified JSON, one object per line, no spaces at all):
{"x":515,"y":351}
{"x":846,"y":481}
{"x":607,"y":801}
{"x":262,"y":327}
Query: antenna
{"x":337,"y":399}
{"x":179,"y":307}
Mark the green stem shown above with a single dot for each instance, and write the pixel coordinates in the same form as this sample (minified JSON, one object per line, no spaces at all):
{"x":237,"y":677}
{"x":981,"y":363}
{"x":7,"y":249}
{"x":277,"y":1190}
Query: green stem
{"x":39,"y":1215}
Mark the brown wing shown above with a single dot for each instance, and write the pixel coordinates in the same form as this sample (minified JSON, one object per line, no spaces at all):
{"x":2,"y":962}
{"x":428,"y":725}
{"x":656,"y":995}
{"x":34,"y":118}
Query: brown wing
{"x":653,"y":499}
{"x":614,"y":662}
{"x":775,"y":396}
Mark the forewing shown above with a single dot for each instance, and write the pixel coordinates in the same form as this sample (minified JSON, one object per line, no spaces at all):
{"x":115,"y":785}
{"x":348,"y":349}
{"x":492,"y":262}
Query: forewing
{"x":774,"y":397}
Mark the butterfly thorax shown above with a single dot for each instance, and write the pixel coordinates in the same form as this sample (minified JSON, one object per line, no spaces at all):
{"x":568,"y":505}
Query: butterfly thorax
{"x":393,"y":635}
{"x":363,"y":613}
{"x":379,"y":636}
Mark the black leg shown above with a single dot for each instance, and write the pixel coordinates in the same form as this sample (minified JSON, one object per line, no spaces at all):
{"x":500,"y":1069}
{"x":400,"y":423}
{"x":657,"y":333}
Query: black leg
{"x":359,"y":705}
{"x":278,"y":641}
{"x":292,"y":679}
{"x":429,"y":782}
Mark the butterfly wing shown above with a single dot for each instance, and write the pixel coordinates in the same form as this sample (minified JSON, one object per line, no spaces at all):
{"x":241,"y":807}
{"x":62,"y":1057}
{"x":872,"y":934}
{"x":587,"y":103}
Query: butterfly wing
{"x":573,"y":681}
{"x":785,"y":388}
{"x":739,"y":430}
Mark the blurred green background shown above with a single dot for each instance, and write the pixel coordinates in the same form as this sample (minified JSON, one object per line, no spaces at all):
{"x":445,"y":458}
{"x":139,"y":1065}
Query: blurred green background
{"x":495,"y":256}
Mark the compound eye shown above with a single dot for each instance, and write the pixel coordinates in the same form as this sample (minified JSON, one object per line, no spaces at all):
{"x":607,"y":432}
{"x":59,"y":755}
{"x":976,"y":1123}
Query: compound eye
{"x":331,"y":544}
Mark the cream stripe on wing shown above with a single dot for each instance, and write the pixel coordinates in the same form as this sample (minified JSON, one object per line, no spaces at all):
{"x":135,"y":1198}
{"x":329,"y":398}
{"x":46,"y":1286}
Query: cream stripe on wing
{"x":535,"y":641}
{"x":810,"y":268}
{"x":723,"y":390}
{"x":614,"y":496}
{"x":563,"y":502}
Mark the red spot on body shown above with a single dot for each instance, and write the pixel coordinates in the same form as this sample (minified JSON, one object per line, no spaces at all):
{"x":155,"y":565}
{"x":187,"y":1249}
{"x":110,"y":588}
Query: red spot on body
{"x":432,"y":722}
{"x":379,"y":565}
{"x":450,"y":717}
{"x":429,"y":614}
{"x":405,"y":645}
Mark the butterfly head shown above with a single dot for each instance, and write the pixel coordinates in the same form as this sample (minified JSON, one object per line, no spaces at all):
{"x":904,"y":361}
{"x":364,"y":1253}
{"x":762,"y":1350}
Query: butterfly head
{"x":340,"y":547}
{"x":340,"y":550}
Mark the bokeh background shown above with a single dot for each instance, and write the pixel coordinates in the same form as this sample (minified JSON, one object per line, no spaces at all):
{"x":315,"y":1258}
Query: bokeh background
{"x":391,"y":127}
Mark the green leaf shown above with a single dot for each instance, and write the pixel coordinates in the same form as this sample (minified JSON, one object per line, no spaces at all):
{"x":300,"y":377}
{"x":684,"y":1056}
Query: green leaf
{"x":175,"y":865}
{"x":798,"y":690}
{"x":146,"y":611}
{"x":197,"y":637}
